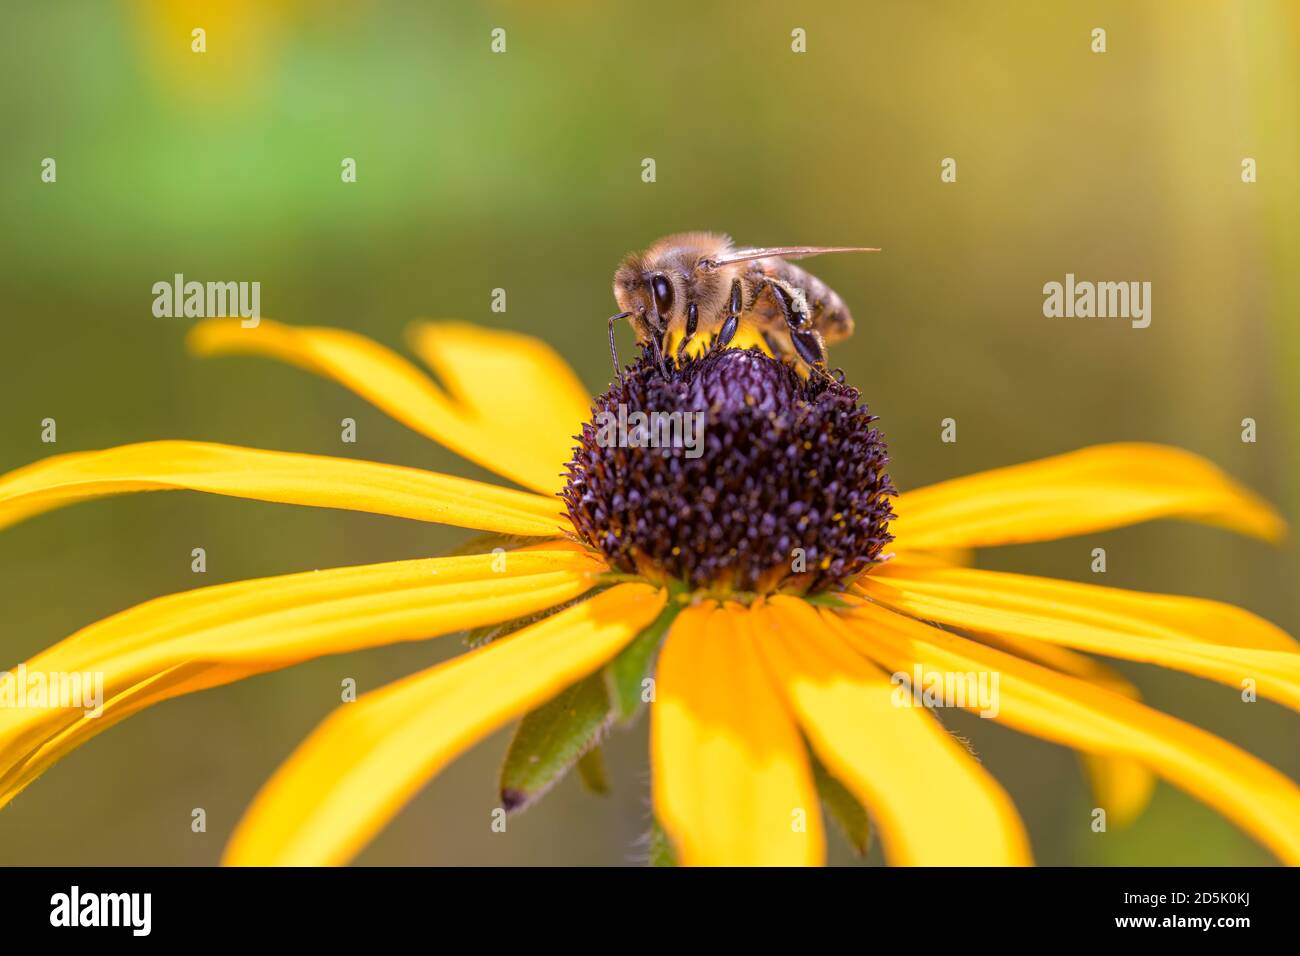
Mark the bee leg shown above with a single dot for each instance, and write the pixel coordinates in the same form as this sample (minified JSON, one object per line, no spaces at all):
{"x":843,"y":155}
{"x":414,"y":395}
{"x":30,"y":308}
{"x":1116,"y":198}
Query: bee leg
{"x":613,"y":349}
{"x":811,"y":349}
{"x":785,"y":299}
{"x":692,"y":323}
{"x":807,"y":342}
{"x":648,"y":336}
{"x":732,"y":321}
{"x":657,"y":346}
{"x":727,"y":332}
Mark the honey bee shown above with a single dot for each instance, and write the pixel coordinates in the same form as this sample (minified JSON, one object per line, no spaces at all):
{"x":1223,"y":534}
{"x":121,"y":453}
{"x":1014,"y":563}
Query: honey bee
{"x":697,"y":283}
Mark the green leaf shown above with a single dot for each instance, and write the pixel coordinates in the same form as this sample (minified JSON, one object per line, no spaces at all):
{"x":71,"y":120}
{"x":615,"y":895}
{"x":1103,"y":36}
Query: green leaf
{"x":661,"y":848}
{"x":591,"y":771}
{"x":551,"y":739}
{"x":624,"y":674}
{"x":844,"y":808}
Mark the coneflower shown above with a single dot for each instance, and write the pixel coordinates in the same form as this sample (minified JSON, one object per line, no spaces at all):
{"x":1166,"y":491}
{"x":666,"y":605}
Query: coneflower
{"x":754,"y":589}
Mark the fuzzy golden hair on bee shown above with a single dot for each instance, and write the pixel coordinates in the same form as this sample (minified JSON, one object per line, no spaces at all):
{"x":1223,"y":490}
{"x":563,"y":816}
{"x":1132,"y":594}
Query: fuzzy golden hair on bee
{"x":698,"y":285}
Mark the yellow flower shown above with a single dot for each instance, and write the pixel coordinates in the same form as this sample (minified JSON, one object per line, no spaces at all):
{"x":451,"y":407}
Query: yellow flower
{"x":750,"y":687}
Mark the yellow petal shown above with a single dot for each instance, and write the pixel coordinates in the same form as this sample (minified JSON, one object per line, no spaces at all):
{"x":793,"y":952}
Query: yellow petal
{"x":1105,"y":486}
{"x":1138,"y":612}
{"x":1123,"y":786}
{"x":275,"y":476}
{"x":257,"y":626}
{"x":389,"y":382}
{"x":362,"y":765}
{"x":1081,"y":715}
{"x":1155,"y":629}
{"x":933,"y":803}
{"x":178,"y":681}
{"x":946,"y":557}
{"x":731,"y":781}
{"x":515,"y":385}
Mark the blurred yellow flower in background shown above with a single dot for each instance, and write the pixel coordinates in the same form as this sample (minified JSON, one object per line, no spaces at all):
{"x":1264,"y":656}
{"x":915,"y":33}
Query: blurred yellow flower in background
{"x":214,"y":53}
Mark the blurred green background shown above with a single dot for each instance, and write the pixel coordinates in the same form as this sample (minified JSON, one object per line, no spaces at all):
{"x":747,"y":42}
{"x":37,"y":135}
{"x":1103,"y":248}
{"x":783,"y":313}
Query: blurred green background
{"x":523,"y":171}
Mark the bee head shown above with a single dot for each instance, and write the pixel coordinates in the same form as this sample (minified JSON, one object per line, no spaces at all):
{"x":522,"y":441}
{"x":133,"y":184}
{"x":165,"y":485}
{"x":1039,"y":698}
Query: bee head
{"x":645,"y":290}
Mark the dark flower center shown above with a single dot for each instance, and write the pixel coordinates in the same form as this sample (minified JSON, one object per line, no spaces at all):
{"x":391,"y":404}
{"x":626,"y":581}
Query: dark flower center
{"x":731,"y":473}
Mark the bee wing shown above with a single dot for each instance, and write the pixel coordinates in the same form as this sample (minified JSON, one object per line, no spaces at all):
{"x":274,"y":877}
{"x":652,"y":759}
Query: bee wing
{"x":783,"y":252}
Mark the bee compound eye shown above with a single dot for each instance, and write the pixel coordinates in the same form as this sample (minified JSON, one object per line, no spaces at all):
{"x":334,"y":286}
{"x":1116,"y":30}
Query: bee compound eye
{"x":663,"y":293}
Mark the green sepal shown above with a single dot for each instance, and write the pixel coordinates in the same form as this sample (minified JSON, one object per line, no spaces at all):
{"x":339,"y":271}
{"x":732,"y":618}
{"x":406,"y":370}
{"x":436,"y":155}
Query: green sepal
{"x":487,"y":543}
{"x":487,"y":633}
{"x":591,"y":771}
{"x":551,"y":739}
{"x":624,"y":674}
{"x":828,"y":599}
{"x":661,"y":848}
{"x":848,"y":814}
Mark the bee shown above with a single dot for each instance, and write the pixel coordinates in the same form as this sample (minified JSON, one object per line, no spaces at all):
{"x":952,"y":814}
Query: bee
{"x":697,"y":283}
